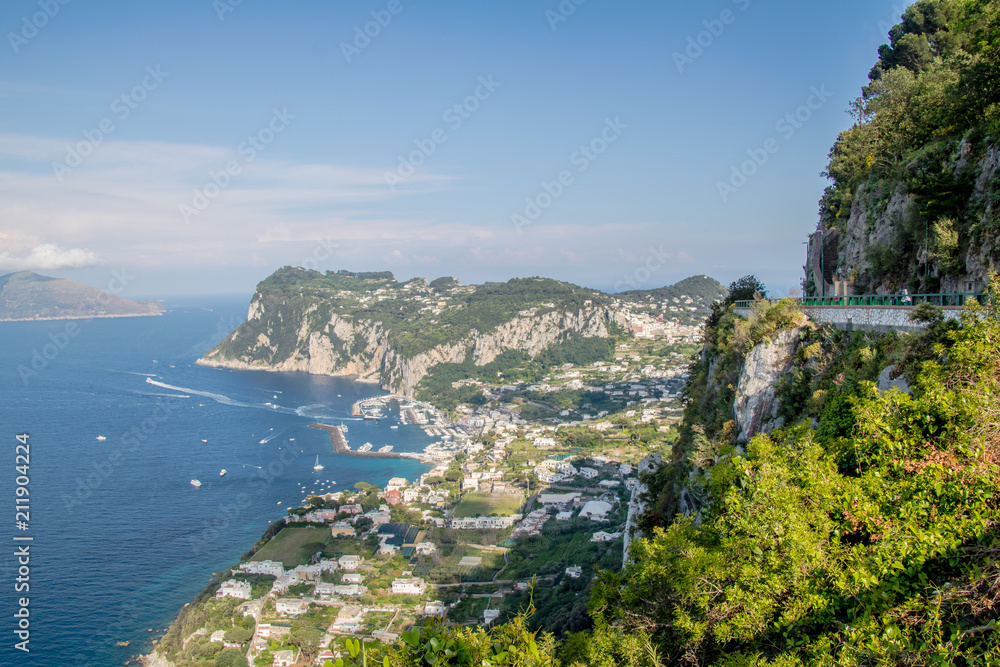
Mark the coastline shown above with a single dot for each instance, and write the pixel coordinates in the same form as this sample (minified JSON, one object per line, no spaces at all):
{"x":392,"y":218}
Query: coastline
{"x":78,"y":317}
{"x":244,"y":366}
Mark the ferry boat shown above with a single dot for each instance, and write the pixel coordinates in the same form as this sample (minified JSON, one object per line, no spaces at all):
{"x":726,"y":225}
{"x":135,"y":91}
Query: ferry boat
{"x":386,"y":449}
{"x":195,"y":482}
{"x":318,"y":465}
{"x":101,"y":438}
{"x":367,"y":447}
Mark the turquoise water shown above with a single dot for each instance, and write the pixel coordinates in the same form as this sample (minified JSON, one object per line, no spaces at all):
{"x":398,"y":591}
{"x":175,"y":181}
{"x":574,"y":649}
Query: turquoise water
{"x":122,"y":540}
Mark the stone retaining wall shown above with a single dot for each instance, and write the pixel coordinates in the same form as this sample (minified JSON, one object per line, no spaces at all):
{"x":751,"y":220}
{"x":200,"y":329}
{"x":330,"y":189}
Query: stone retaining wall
{"x":864,"y":318}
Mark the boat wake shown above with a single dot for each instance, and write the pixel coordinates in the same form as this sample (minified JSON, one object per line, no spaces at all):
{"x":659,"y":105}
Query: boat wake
{"x":218,"y":398}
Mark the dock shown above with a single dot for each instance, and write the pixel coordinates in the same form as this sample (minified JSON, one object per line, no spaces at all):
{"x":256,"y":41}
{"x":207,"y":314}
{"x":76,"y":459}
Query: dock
{"x":340,"y":445}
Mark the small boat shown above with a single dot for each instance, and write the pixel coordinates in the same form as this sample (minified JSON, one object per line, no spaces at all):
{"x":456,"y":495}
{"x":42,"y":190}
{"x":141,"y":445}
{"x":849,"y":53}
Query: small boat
{"x":222,"y":473}
{"x":101,"y":438}
{"x":195,"y":482}
{"x":318,"y":465}
{"x":262,"y":442}
{"x":385,"y":450}
{"x":203,"y":440}
{"x":394,"y":426}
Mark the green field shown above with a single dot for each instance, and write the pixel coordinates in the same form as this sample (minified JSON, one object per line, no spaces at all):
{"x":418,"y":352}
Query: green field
{"x":294,"y":546}
{"x":485,"y":504}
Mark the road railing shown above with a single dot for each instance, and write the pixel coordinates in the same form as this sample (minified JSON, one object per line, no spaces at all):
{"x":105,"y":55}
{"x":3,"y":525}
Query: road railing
{"x":949,"y":300}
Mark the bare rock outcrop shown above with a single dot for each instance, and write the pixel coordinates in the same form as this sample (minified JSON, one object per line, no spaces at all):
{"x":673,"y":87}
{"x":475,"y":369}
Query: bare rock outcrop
{"x":755,"y":408}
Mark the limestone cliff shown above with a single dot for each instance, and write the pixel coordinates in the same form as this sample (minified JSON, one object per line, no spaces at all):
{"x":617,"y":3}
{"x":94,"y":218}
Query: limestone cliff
{"x":313,"y":336}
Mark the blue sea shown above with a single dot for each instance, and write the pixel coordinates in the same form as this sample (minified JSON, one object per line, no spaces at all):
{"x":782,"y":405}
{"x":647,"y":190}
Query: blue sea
{"x":121,"y":538}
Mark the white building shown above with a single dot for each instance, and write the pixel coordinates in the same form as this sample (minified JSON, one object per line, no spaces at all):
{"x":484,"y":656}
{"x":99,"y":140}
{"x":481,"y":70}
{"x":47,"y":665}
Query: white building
{"x":396,"y":483}
{"x":284,"y":659}
{"x":588,"y":473}
{"x":557,"y":499}
{"x":234,"y":589}
{"x":285,"y":581}
{"x":350,"y":562}
{"x":325,"y":590}
{"x":291,"y":606}
{"x":485,"y":522}
{"x":490,"y":615}
{"x":350,"y":590}
{"x":271,"y":567}
{"x":574,"y":572}
{"x":434,"y":608}
{"x":414,"y":586}
{"x":352,"y":578}
{"x":601,"y":536}
{"x":596,"y":510}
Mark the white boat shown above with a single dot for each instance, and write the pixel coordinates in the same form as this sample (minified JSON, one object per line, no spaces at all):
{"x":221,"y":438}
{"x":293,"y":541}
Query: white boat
{"x":101,"y":438}
{"x":385,"y":450}
{"x":367,"y":447}
{"x":394,"y":426}
{"x":195,"y":482}
{"x":222,"y":473}
{"x":318,"y":466}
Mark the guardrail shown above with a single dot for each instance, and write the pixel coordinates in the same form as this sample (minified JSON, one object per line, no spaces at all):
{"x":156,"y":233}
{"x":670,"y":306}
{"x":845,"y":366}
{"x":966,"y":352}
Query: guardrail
{"x":957,"y":299}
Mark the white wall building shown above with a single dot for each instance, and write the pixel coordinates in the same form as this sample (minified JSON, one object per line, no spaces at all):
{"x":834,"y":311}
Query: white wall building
{"x":234,"y":589}
{"x":414,"y":586}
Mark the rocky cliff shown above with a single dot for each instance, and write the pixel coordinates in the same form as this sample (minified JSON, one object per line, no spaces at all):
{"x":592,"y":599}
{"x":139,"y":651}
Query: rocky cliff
{"x":898,"y":235}
{"x":311,"y":335}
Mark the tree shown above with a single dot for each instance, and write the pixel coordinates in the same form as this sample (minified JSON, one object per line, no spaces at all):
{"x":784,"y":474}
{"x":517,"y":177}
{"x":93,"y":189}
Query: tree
{"x":239,"y":635}
{"x":746,"y":289}
{"x":231,"y":658}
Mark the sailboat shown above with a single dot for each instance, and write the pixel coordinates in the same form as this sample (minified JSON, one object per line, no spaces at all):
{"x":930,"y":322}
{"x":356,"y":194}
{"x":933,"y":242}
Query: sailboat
{"x":318,"y":466}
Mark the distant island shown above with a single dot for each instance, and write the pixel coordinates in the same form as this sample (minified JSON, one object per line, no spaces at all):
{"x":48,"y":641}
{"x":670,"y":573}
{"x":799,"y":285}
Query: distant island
{"x":28,"y":296}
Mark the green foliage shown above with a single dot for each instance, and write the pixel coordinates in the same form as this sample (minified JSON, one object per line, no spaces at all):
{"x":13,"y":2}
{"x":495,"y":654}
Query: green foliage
{"x":871,"y":541}
{"x":923,"y":124}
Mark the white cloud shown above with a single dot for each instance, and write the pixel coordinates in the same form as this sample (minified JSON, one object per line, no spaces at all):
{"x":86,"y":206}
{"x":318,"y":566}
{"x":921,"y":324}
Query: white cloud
{"x":48,"y":257}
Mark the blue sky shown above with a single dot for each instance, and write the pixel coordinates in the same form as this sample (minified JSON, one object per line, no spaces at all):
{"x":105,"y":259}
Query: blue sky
{"x":197,"y":145}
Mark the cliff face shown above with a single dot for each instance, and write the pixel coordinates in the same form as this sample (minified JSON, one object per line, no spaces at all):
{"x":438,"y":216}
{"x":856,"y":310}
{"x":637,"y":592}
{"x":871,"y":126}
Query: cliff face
{"x":756,"y":408}
{"x":904,"y":232}
{"x":287,"y":336}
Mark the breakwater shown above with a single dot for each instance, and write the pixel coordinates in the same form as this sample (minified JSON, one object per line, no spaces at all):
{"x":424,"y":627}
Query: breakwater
{"x":340,"y":445}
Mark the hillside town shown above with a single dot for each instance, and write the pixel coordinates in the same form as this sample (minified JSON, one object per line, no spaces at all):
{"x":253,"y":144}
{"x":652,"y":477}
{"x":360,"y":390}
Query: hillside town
{"x":526,"y":496}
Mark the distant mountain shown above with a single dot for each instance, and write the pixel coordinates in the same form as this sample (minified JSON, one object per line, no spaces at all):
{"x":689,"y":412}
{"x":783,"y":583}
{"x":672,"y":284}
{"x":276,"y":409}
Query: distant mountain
{"x":29,"y":296}
{"x":692,"y":298}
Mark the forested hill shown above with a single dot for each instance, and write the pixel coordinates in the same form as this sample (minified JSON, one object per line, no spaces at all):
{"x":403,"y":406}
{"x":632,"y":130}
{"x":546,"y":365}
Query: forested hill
{"x":914,"y":199}
{"x":373,"y":326}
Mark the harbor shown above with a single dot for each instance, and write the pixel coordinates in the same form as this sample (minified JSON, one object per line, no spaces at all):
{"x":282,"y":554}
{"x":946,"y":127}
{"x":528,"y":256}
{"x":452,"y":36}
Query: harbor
{"x":340,"y":445}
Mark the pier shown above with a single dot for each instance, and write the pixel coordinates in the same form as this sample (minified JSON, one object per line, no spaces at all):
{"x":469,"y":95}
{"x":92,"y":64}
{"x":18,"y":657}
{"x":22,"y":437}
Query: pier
{"x":340,"y":445}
